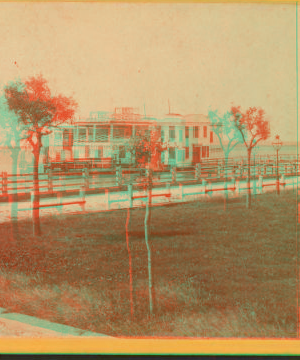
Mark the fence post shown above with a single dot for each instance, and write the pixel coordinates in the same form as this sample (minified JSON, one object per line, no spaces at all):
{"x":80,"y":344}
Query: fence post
{"x":254,"y":186}
{"x":31,"y":198}
{"x":237,"y":186}
{"x":174,"y":173}
{"x":169,"y":190}
{"x":260,"y":183}
{"x":86,"y":178}
{"x":59,"y":201}
{"x":107,"y":199}
{"x":119,"y":176}
{"x":181,"y":191}
{"x":82,"y":196}
{"x":282,"y":180}
{"x":219,"y":170}
{"x":233,"y":182}
{"x":258,"y":166}
{"x":204,"y":185}
{"x":130,"y":196}
{"x":4,"y":182}
{"x":50,"y":181}
{"x":198,"y":172}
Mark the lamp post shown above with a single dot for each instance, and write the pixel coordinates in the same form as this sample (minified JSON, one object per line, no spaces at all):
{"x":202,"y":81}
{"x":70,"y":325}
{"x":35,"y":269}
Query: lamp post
{"x":277,"y":146}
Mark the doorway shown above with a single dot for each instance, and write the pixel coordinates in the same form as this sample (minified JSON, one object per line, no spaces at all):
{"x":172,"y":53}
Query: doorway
{"x":196,"y":154}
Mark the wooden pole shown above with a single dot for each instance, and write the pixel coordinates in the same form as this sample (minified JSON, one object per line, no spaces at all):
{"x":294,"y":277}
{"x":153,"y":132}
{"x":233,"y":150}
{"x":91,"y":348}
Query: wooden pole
{"x":149,"y":253}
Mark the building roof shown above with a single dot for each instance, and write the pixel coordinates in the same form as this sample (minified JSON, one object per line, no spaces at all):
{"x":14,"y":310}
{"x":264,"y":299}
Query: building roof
{"x":196,"y":118}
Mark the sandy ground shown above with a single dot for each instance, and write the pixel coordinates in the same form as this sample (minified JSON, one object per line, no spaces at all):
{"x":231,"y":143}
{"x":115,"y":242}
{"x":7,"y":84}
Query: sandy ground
{"x":13,"y":328}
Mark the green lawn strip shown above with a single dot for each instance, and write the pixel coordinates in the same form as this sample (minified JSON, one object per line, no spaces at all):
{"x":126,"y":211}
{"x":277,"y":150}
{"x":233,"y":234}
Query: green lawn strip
{"x":215,"y":272}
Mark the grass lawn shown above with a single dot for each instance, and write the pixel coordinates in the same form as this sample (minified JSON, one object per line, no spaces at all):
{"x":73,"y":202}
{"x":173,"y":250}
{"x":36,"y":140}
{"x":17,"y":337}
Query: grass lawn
{"x":215,"y":273}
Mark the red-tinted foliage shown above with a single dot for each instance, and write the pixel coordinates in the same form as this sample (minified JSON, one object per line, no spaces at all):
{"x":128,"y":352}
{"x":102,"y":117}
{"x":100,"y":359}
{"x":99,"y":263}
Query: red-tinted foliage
{"x":252,"y":125}
{"x":37,"y":110}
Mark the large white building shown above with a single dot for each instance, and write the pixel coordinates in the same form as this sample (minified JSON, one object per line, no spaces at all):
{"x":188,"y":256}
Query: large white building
{"x":103,"y":135}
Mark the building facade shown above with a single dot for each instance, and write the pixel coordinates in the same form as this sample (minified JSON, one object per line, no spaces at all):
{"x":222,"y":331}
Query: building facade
{"x":104,"y":135}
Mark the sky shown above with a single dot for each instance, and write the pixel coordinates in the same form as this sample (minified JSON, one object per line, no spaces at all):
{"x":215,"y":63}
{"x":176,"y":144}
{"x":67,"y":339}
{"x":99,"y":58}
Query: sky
{"x":197,"y":56}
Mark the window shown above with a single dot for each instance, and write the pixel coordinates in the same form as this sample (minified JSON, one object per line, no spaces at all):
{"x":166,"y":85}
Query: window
{"x":196,"y":132}
{"x":205,"y":131}
{"x":57,"y":138}
{"x":82,"y":134}
{"x":205,"y":151}
{"x":67,"y":138}
{"x":87,"y":151}
{"x":91,"y":133}
{"x":172,"y":154}
{"x":187,"y":132}
{"x":128,"y":132}
{"x":180,"y":135}
{"x":147,"y":133}
{"x":172,"y":133}
{"x":162,"y":136}
{"x":101,"y":134}
{"x":211,"y":137}
{"x":187,"y":153}
{"x":119,"y":132}
{"x":122,"y":152}
{"x":100,"y":152}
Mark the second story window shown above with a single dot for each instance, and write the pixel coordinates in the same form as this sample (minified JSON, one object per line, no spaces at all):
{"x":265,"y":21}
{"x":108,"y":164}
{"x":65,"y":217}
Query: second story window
{"x":172,"y":154}
{"x":172,"y":133}
{"x":91,"y":133}
{"x":82,"y":134}
{"x":211,"y":137}
{"x":187,"y":132}
{"x":67,"y":138}
{"x":196,"y":132}
{"x":205,"y":131}
{"x":119,"y":132}
{"x":101,"y":134}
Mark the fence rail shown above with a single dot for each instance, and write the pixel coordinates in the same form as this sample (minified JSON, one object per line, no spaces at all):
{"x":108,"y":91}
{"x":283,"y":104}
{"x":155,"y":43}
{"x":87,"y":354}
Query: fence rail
{"x":210,"y":170}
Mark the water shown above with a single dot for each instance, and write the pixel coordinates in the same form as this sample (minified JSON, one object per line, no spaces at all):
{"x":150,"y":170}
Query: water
{"x":264,"y":150}
{"x":25,"y":162}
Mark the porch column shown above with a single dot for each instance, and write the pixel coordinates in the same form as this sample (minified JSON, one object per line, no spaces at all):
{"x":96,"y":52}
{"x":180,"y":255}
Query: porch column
{"x":111,"y":132}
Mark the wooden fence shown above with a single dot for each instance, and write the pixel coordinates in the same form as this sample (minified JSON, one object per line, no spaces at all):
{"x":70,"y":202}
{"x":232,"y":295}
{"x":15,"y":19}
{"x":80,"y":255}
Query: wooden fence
{"x":212,"y":170}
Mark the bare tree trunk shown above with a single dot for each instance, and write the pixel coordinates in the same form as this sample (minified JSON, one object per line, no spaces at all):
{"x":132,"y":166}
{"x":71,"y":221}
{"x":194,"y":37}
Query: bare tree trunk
{"x":249,"y":181}
{"x":36,"y":196}
{"x":225,"y":187}
{"x":14,"y":197}
{"x":149,"y":254}
{"x":130,"y":261}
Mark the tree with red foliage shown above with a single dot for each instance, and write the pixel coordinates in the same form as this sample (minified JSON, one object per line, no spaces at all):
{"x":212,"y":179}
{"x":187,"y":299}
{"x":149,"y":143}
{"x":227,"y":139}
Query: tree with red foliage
{"x":146,"y":148}
{"x":38,"y":111}
{"x":253,"y":128}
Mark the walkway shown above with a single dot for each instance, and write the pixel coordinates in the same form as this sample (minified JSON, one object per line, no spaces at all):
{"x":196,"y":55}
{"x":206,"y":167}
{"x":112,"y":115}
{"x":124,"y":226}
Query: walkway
{"x":19,"y":325}
{"x":119,"y":200}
